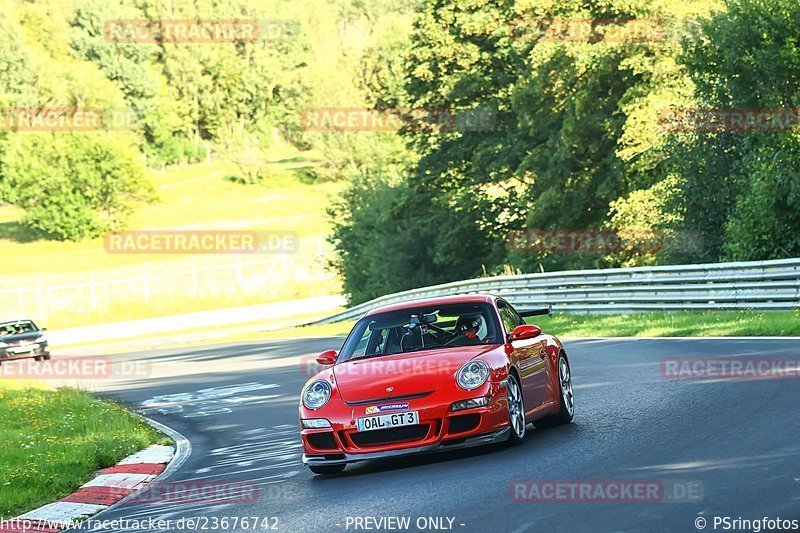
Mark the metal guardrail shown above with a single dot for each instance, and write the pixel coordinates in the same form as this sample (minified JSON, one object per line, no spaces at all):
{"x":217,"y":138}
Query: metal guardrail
{"x":758,"y":285}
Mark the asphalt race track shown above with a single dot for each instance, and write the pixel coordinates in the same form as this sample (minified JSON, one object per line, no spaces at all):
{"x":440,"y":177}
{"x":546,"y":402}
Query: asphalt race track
{"x":723,"y":448}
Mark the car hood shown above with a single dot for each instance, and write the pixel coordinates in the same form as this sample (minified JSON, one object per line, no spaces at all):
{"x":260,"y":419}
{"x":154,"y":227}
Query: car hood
{"x":392,"y":376}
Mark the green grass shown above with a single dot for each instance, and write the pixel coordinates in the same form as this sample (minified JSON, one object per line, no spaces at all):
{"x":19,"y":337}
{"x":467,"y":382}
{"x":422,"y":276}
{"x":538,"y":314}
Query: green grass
{"x":683,"y":324}
{"x":53,"y":441}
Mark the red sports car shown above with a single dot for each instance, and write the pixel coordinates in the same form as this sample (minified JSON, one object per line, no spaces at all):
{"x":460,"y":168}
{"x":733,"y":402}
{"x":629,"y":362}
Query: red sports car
{"x":433,"y":375}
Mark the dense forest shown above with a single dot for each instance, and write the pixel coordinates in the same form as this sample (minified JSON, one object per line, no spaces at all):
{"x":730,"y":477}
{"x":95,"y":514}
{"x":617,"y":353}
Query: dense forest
{"x":582,"y":134}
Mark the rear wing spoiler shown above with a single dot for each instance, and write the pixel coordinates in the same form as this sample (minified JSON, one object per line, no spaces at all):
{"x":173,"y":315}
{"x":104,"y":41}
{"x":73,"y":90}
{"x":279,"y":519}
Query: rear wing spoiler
{"x":537,"y":312}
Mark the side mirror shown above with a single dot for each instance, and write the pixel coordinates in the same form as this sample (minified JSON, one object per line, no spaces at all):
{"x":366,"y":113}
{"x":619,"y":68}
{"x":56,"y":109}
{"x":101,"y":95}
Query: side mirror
{"x":525,"y":331}
{"x":327,"y":358}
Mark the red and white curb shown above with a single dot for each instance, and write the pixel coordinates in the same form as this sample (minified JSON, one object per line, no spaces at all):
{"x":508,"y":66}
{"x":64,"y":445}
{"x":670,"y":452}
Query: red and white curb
{"x":109,"y":487}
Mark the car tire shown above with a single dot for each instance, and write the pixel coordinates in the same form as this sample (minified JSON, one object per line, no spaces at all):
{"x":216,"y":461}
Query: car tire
{"x":566,"y":408}
{"x":516,"y":410}
{"x":46,"y":357}
{"x":327,"y":469}
{"x":39,"y":358}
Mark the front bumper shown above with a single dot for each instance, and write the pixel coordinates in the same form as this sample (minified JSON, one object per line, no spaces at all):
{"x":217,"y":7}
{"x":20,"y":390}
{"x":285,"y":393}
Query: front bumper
{"x":438,"y":428}
{"x":441,"y":446}
{"x":38,"y":350}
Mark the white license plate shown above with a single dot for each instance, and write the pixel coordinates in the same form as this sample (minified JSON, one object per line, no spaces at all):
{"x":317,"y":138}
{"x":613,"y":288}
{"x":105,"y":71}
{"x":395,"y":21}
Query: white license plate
{"x":22,"y":349}
{"x":371,"y":423}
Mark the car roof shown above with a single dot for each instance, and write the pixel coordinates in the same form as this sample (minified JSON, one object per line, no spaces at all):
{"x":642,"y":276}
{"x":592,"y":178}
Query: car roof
{"x":441,"y":300}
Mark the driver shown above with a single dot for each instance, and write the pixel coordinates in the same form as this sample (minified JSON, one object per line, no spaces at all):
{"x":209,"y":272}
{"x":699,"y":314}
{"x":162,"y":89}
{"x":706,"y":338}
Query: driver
{"x":472,"y":327}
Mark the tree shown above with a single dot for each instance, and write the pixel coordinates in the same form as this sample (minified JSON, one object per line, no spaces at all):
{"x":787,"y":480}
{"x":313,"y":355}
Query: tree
{"x":72,"y":185}
{"x":554,"y":149}
{"x":743,"y":188}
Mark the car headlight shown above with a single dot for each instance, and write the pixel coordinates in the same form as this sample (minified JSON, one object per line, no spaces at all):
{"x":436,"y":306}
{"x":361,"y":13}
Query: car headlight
{"x":472,"y":375}
{"x":41,"y":339}
{"x":316,"y":394}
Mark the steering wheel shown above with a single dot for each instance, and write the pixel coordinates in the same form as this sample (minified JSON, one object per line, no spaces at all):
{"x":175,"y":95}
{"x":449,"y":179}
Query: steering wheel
{"x":469,"y":332}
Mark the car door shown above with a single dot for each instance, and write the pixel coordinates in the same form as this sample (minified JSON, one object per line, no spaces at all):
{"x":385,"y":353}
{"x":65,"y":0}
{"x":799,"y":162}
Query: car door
{"x":528,"y":357}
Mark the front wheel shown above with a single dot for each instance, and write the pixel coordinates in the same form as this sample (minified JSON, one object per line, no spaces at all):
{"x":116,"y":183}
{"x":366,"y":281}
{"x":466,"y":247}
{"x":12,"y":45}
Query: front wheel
{"x":327,"y":469}
{"x":516,"y":410}
{"x":566,"y":408}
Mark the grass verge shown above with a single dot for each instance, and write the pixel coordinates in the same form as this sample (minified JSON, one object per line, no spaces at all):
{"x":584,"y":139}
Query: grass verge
{"x":52,"y":441}
{"x":683,"y":324}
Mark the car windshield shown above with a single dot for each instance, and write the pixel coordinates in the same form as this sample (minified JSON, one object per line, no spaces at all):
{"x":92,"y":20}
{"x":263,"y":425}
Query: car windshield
{"x":421,"y":328}
{"x":17,"y":328}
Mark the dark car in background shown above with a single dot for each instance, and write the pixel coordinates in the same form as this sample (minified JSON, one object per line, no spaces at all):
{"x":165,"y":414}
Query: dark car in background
{"x":23,"y":339}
